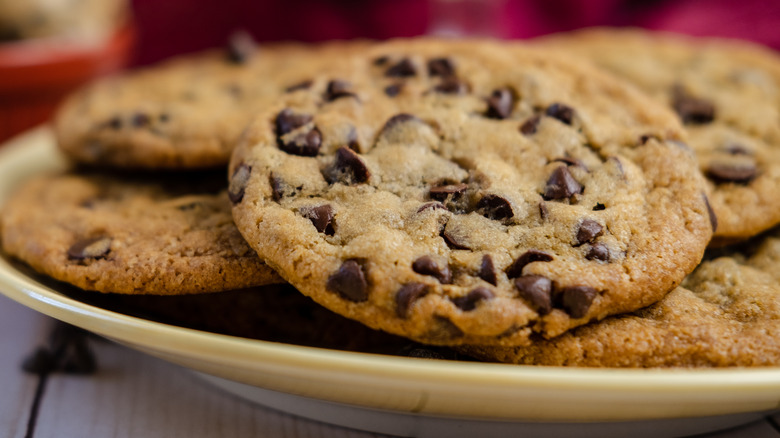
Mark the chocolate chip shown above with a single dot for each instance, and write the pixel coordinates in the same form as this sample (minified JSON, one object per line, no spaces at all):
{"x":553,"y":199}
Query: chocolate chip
{"x":561,"y":112}
{"x":304,"y":144}
{"x":287,"y":121}
{"x":599,"y":207}
{"x":238,"y":183}
{"x":348,"y":168}
{"x":469,"y":302}
{"x":561,"y":185}
{"x":692,"y":110}
{"x":451,"y":241}
{"x":588,"y":230}
{"x":740,"y":173}
{"x":114,"y":123}
{"x":530,"y":126}
{"x":495,"y":207}
{"x":279,"y":189}
{"x":737,"y":149}
{"x":381,"y":60}
{"x":393,"y":90}
{"x":537,"y":290}
{"x":140,"y":120}
{"x":91,"y":248}
{"x":544,"y":213}
{"x":304,"y":85}
{"x":713,"y":218}
{"x":349,"y":282}
{"x":598,"y":251}
{"x":321,"y":217}
{"x":500,"y":104}
{"x":516,"y":268}
{"x":399,"y":119}
{"x":452,"y":86}
{"x":240,"y":47}
{"x":441,"y":67}
{"x":403,"y":68}
{"x":576,"y":300}
{"x":431,"y":206}
{"x":441,"y":193}
{"x":407,"y":295}
{"x":337,"y":89}
{"x":426,"y":265}
{"x":487,"y":270}
{"x":352,"y":139}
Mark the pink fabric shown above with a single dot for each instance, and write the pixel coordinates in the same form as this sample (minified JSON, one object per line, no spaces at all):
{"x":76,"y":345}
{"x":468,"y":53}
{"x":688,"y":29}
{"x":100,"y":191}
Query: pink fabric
{"x":177,"y":26}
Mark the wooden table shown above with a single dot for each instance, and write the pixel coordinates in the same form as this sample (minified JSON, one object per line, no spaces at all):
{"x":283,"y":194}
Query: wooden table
{"x":135,"y":395}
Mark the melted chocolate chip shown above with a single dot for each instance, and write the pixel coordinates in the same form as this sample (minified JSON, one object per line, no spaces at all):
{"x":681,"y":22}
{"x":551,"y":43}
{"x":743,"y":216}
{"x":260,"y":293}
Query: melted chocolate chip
{"x":576,"y":300}
{"x":711,"y":212}
{"x":495,"y":207}
{"x":337,"y":89}
{"x":304,"y":144}
{"x":598,"y":251}
{"x":348,"y":168}
{"x":692,"y":110}
{"x":441,"y":193}
{"x":287,"y":121}
{"x":349,"y":282}
{"x":240,"y":47}
{"x":321,"y":217}
{"x":740,"y":173}
{"x":238,"y":183}
{"x":393,"y":90}
{"x":402,"y":69}
{"x":406,"y":297}
{"x":91,"y":248}
{"x":452,"y":86}
{"x":441,"y":67}
{"x":537,"y":290}
{"x":561,"y":112}
{"x":426,"y":265}
{"x":500,"y":104}
{"x":599,"y":207}
{"x":487,"y":270}
{"x":588,"y":230}
{"x":305,"y":85}
{"x":516,"y":268}
{"x":530,"y":126}
{"x":469,"y":301}
{"x":561,"y":185}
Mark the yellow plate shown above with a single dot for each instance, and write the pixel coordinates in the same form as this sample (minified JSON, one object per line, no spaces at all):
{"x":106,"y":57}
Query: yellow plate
{"x":464,"y":390}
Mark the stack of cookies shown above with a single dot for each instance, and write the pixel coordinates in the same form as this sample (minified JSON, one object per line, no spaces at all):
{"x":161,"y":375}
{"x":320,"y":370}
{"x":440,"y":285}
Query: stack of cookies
{"x":546,"y":203}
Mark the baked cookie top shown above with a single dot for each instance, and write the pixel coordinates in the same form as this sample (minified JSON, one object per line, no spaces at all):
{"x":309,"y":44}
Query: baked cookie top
{"x":727,"y":313}
{"x":131,"y":235}
{"x":452,"y":192}
{"x":728,"y":95}
{"x":185,"y":113}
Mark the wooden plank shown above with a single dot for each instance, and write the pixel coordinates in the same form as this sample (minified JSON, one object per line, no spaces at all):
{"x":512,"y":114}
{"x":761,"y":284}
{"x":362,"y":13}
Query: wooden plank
{"x":21,"y":329}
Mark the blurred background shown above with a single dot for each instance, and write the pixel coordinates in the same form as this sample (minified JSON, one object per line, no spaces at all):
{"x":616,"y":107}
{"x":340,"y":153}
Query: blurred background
{"x":48,"y":47}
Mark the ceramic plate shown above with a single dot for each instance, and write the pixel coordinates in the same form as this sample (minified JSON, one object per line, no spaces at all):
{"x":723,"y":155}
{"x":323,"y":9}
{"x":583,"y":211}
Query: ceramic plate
{"x":405,"y":395}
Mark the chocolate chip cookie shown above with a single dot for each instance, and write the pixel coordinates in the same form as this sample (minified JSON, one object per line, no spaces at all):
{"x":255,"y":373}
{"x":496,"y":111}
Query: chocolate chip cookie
{"x":454,"y":192}
{"x":727,"y":93}
{"x":131,"y":235}
{"x":188,"y":112}
{"x":727,"y":313}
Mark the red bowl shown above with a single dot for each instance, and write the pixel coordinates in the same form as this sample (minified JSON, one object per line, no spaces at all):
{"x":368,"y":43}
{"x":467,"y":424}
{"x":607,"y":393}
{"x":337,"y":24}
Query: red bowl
{"x":36,"y":75}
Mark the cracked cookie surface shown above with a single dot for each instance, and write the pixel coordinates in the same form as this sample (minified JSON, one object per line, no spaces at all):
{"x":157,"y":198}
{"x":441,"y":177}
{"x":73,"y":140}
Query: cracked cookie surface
{"x":728,"y":95}
{"x":486,"y":197}
{"x":131,"y":235}
{"x":727,"y":313}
